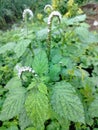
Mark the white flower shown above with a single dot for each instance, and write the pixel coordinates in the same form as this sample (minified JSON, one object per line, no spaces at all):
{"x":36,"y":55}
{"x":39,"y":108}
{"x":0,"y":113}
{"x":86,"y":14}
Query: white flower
{"x":54,"y":13}
{"x":29,"y":12}
{"x":23,"y":69}
{"x":47,"y":6}
{"x":95,"y":23}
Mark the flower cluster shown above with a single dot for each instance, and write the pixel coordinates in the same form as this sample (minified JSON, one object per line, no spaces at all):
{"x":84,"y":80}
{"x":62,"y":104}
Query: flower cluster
{"x":54,"y":13}
{"x":47,"y":6}
{"x":23,"y":69}
{"x":29,"y":12}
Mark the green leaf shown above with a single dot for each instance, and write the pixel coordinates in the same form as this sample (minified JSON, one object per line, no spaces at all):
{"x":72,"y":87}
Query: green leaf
{"x":31,"y":85}
{"x":42,"y":34}
{"x":40,"y":63}
{"x":24,"y":120}
{"x":13,"y":103}
{"x":13,"y":83}
{"x":54,"y":72}
{"x":2,"y":128}
{"x":95,"y":128}
{"x":86,"y":36}
{"x":13,"y":128}
{"x":37,"y":108}
{"x":42,"y":88}
{"x":21,"y":47}
{"x":66,"y":102}
{"x":93,"y":109}
{"x":75,"y":20}
{"x":30,"y":128}
{"x":56,"y":58}
{"x":53,"y":126}
{"x":7,"y":47}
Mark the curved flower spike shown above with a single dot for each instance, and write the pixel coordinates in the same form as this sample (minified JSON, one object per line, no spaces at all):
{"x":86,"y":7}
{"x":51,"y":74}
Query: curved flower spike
{"x":29,"y":12}
{"x":48,"y":6}
{"x":54,"y":13}
{"x":23,"y":69}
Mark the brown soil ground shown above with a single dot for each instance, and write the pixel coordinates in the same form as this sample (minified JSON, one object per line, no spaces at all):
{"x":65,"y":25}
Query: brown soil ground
{"x":91,"y":11}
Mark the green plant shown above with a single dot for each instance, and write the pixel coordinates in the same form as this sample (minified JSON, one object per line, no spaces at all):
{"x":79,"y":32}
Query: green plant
{"x":54,"y":84}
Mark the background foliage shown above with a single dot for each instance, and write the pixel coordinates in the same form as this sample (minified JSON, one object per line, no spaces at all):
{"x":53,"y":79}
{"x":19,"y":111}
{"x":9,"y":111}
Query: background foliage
{"x":11,"y":10}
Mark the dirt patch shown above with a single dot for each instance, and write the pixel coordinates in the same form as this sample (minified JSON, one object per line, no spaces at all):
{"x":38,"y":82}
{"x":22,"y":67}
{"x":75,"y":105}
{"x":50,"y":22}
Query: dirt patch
{"x":91,"y":11}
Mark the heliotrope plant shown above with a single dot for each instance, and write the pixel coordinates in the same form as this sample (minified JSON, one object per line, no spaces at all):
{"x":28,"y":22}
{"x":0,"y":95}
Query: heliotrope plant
{"x":54,"y":90}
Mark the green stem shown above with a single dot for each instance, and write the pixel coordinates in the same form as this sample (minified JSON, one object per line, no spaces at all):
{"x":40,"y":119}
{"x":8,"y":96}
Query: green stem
{"x":49,"y":41}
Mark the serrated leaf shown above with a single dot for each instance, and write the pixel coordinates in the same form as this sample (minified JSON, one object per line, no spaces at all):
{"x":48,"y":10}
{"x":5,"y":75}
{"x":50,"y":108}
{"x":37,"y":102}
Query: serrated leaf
{"x":24,"y":120}
{"x":93,"y":109}
{"x":56,"y":58}
{"x":42,"y":88}
{"x":54,"y":125}
{"x":13,"y":128}
{"x":40,"y":63}
{"x":13,"y":103}
{"x":21,"y":47}
{"x":42,"y":34}
{"x":13,"y":83}
{"x":66,"y":102}
{"x":54,"y":72}
{"x":7,"y":47}
{"x":86,"y":36}
{"x":30,"y":128}
{"x":37,"y":108}
{"x":31,"y":85}
{"x":76,"y":19}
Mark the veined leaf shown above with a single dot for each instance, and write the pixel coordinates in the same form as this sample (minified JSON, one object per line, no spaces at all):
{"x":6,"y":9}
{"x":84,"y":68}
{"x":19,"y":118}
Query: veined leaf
{"x":13,"y":83}
{"x":74,"y":20}
{"x":37,"y":108}
{"x":40,"y":64}
{"x":66,"y":102}
{"x":30,"y":128}
{"x":93,"y":109}
{"x":13,"y":128}
{"x":86,"y":36}
{"x":24,"y":120}
{"x":42,"y":88}
{"x":13,"y":103}
{"x":7,"y":47}
{"x":21,"y":47}
{"x":42,"y":34}
{"x":54,"y":72}
{"x":53,"y":126}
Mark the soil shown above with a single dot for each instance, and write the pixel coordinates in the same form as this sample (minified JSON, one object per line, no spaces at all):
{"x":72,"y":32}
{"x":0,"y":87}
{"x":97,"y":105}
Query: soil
{"x":91,"y":11}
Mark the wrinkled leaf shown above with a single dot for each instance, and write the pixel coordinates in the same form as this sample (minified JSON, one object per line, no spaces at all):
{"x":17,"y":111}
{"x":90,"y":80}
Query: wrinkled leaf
{"x":7,"y":47}
{"x":37,"y":108}
{"x":13,"y":83}
{"x":93,"y":109}
{"x":13,"y":103}
{"x":42,"y":88}
{"x":66,"y":102}
{"x":21,"y":47}
{"x":40,"y":63}
{"x":24,"y":120}
{"x":42,"y":34}
{"x":54,"y":72}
